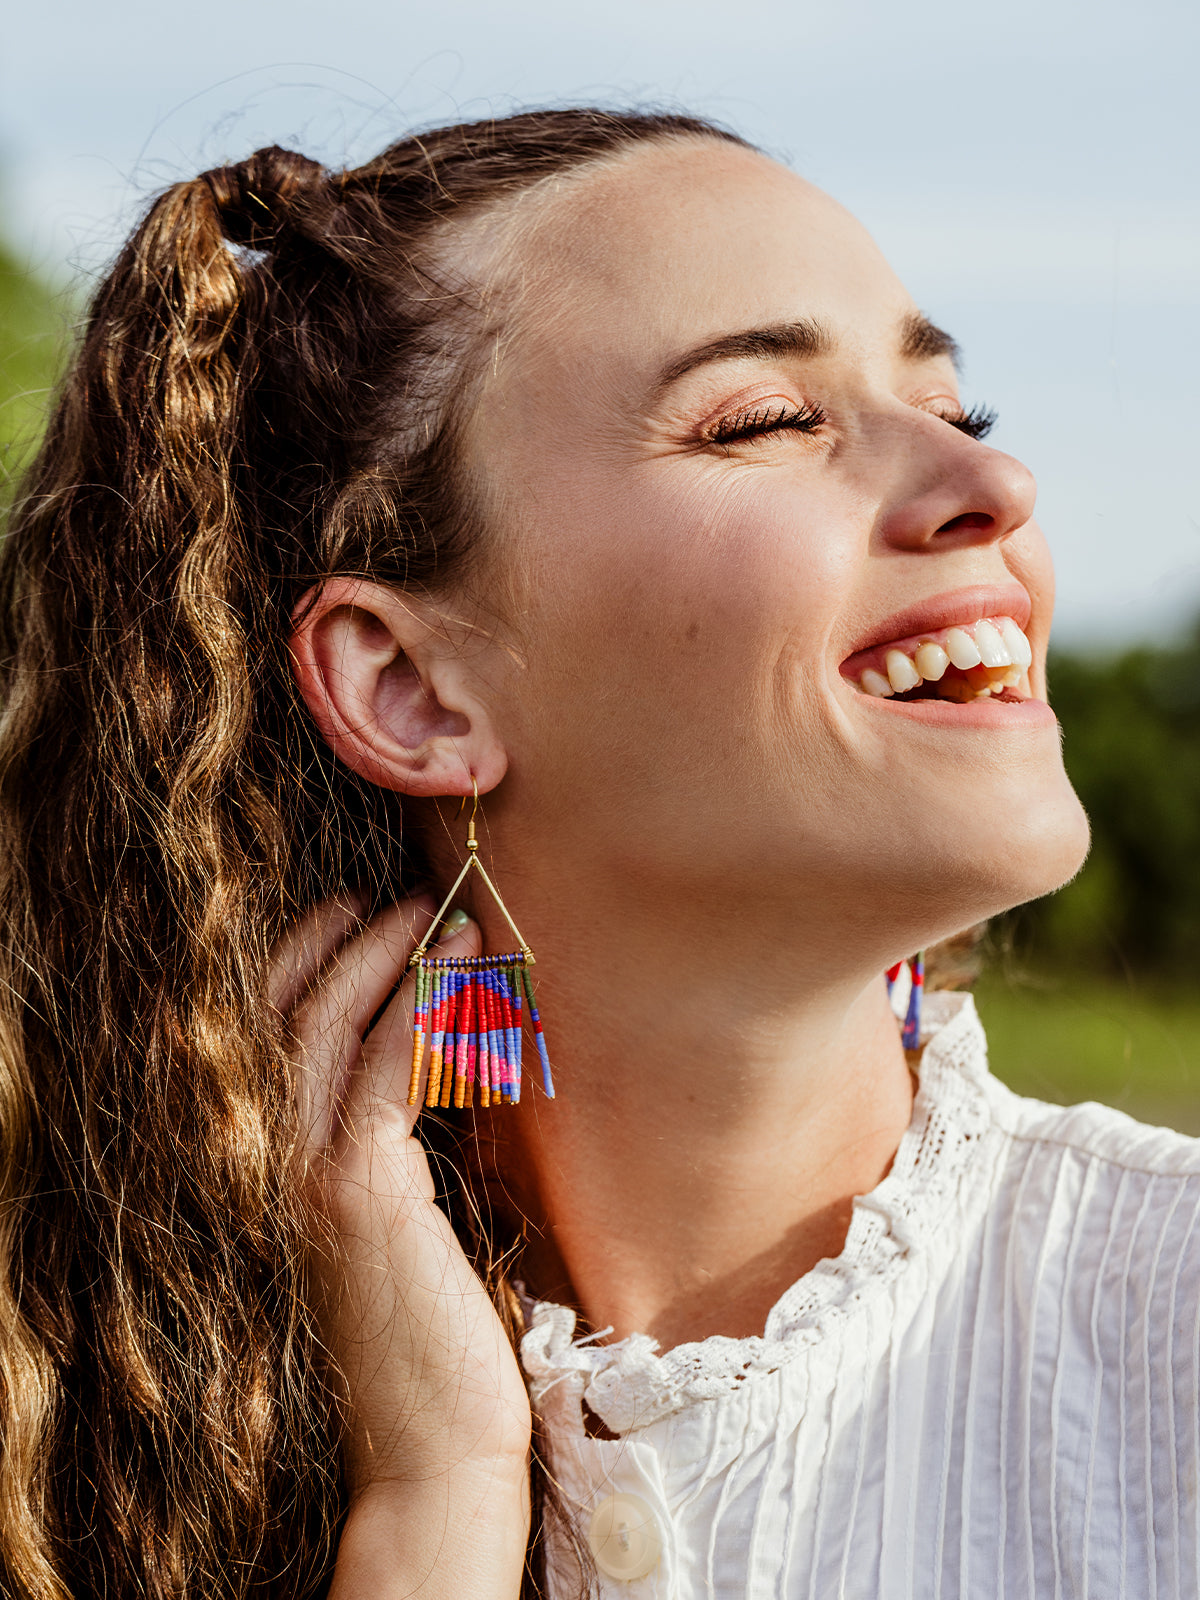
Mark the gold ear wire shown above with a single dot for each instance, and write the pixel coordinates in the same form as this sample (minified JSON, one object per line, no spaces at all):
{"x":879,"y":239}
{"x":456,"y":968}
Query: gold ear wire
{"x":472,"y":842}
{"x":471,"y":861}
{"x":471,"y":1007}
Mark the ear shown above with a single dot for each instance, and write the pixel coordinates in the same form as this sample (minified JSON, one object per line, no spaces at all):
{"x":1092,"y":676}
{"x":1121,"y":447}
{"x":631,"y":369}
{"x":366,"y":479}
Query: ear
{"x":391,"y":690}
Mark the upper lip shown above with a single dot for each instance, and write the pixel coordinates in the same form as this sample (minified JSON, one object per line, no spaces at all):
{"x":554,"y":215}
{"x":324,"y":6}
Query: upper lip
{"x":966,"y":606}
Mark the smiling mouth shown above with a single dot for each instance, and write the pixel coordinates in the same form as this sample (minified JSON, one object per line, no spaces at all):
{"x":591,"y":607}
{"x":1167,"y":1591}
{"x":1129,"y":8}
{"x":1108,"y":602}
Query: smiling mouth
{"x":988,"y":659}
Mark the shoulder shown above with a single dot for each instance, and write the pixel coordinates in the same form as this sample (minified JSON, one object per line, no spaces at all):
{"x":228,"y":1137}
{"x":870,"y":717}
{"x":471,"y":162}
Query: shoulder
{"x":1097,"y":1182}
{"x":1095,"y":1133}
{"x":1080,"y":1209}
{"x":1096,"y":1219}
{"x":1036,"y":1131}
{"x":1050,"y":1180}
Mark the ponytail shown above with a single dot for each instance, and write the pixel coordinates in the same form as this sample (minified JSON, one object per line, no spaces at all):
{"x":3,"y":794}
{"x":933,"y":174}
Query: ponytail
{"x":164,"y":1417}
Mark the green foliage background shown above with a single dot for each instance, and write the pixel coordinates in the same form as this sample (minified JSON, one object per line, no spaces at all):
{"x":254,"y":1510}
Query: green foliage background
{"x":1089,"y":994}
{"x":34,"y":328}
{"x":1132,"y":746}
{"x":1092,"y":992}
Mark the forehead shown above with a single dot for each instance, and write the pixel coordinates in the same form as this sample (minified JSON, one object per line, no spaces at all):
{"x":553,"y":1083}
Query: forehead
{"x":685,"y":240}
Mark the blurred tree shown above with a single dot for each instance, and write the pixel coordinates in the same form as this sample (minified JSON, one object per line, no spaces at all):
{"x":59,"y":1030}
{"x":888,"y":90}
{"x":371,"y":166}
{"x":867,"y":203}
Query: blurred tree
{"x":1131,"y":726}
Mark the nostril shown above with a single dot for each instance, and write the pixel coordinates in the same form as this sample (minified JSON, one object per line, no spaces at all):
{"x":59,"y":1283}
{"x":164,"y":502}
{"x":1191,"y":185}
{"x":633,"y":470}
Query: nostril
{"x":969,"y":522}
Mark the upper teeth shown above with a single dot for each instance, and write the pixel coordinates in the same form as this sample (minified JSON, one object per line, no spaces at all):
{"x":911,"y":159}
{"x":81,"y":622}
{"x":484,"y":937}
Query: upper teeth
{"x":995,"y":646}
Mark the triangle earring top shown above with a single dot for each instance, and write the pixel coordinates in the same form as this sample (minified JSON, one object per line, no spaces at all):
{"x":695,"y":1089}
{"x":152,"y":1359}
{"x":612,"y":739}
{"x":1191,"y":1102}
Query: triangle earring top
{"x":471,"y":1009}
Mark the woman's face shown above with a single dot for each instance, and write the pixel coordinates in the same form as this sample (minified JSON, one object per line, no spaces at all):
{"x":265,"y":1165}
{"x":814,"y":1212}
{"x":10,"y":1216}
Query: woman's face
{"x":715,"y":453}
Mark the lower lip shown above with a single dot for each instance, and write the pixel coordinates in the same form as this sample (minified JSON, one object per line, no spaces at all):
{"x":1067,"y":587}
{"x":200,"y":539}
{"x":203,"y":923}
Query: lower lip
{"x":982,"y":713}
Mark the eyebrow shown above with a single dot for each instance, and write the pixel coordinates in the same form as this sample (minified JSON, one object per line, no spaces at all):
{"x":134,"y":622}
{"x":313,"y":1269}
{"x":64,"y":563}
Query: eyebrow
{"x":919,"y":340}
{"x":803,"y":338}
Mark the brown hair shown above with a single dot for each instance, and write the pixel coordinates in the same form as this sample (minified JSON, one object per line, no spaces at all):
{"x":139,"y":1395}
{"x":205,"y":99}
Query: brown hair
{"x":264,"y":396}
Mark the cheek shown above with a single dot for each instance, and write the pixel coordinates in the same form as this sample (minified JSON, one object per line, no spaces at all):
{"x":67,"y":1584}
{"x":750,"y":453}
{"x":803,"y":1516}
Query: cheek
{"x":680,"y":597}
{"x":1027,"y":556}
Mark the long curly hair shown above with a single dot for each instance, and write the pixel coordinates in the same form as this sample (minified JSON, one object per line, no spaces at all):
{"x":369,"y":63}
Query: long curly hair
{"x":264,"y":395}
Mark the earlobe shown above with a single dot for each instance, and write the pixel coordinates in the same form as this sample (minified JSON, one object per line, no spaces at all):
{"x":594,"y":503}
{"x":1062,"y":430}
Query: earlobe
{"x":391,"y":692}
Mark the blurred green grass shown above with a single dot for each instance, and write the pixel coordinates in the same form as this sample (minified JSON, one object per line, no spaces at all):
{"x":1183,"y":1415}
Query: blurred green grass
{"x":1067,"y":1037}
{"x":35,"y":323}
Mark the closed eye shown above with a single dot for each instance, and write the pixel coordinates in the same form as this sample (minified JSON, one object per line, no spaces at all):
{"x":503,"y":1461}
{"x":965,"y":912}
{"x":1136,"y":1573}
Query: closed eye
{"x":976,"y":423}
{"x":767,"y":419}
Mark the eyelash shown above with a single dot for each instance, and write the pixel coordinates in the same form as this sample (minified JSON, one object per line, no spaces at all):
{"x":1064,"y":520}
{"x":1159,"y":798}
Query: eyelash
{"x":976,"y":423}
{"x":771,"y":419}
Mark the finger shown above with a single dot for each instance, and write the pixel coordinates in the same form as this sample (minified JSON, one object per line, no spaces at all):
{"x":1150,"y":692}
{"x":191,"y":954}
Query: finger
{"x":308,"y":944}
{"x":381,"y":1079}
{"x":330,"y":1024}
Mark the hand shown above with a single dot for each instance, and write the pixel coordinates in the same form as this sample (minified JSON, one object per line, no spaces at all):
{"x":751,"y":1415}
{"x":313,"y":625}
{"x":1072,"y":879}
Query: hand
{"x":437,"y":1413}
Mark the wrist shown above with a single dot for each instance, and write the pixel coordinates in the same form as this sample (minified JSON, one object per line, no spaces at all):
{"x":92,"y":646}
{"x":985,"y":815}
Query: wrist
{"x":460,"y":1534}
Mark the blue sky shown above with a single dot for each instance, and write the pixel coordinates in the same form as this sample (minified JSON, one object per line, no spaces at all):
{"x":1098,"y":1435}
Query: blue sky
{"x":1030,"y":169}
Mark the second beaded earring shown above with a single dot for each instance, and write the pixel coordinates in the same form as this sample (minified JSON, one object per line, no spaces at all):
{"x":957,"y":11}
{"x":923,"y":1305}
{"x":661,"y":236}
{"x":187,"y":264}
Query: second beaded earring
{"x":910,"y":1032}
{"x":470,"y":1010}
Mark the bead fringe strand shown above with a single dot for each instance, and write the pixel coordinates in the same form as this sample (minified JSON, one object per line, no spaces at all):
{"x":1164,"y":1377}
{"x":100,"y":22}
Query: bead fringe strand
{"x":470,"y":1009}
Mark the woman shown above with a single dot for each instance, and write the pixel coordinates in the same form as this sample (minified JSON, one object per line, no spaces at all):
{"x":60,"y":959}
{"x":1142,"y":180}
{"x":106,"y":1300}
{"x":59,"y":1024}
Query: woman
{"x":598,"y":466}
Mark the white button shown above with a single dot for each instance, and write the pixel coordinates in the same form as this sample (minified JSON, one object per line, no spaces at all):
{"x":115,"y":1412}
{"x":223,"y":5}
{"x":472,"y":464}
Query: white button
{"x":624,"y":1537}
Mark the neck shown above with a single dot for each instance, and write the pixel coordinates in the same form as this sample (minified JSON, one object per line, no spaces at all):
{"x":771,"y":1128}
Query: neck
{"x":721,"y":1100}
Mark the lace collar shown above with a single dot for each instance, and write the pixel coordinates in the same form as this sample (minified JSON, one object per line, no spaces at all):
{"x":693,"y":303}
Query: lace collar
{"x":628,"y":1384}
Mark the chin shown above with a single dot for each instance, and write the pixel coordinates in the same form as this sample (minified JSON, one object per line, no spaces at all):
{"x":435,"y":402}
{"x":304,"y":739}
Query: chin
{"x":1026,"y":852}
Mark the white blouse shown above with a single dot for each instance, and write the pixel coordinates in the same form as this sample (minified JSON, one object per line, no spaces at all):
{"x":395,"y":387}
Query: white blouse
{"x":993,"y":1391}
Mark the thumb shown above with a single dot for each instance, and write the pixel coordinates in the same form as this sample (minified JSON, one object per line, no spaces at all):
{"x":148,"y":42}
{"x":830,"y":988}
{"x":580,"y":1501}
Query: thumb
{"x":460,"y":936}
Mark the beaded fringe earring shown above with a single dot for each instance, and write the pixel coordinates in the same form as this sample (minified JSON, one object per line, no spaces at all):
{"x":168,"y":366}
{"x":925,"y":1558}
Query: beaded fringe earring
{"x":910,"y":1032}
{"x":471,"y":1010}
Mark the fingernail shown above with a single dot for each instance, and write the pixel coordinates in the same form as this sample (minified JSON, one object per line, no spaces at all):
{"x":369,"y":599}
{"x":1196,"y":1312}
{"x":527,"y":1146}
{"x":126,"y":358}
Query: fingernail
{"x":455,"y":922}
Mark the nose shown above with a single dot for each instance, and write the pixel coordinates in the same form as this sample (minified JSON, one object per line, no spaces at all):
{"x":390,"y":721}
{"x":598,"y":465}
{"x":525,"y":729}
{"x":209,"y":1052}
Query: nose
{"x":951,"y":491}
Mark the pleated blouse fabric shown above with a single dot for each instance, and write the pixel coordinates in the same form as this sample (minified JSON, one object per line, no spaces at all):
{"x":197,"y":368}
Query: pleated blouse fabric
{"x":993,"y":1391}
